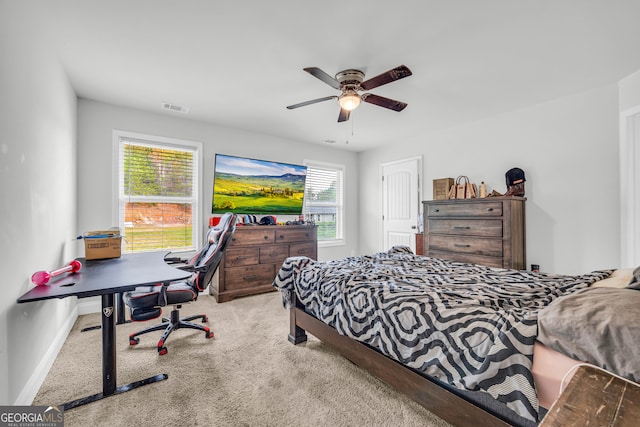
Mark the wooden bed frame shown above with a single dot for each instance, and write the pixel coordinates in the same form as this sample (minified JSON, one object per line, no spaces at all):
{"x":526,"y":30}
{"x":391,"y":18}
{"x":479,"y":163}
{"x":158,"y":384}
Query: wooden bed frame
{"x":437,"y":399}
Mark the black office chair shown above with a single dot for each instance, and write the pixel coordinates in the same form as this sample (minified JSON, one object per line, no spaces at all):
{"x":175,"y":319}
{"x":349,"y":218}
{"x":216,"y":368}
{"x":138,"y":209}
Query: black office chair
{"x":146,"y":302}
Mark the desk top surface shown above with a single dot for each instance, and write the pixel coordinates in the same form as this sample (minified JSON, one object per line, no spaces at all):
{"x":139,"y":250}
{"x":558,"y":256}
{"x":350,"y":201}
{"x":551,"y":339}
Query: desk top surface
{"x":107,"y":276}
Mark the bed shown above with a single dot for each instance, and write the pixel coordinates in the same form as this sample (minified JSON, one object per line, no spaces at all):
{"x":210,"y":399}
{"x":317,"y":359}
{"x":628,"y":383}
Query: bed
{"x":458,"y":338}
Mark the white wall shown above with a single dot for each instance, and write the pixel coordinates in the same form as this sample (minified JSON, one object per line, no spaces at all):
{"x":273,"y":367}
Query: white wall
{"x":630,"y":91}
{"x":568,"y":149}
{"x":97,"y":120}
{"x":38,"y":193}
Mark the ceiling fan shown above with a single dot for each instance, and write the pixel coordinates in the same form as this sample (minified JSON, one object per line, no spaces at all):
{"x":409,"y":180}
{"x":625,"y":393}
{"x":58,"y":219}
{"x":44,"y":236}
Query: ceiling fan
{"x":350,"y":82}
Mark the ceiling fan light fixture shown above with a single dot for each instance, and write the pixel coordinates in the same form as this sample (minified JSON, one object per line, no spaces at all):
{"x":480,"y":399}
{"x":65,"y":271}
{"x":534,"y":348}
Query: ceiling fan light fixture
{"x":349,"y":100}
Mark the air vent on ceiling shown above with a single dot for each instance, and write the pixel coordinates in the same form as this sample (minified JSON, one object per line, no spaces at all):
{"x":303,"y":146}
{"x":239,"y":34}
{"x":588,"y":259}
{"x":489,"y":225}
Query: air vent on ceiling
{"x":174,"y":107}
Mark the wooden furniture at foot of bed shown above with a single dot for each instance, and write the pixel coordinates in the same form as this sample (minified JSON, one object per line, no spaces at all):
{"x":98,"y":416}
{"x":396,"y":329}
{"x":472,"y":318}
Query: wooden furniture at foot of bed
{"x":438,"y":400}
{"x":595,"y":397}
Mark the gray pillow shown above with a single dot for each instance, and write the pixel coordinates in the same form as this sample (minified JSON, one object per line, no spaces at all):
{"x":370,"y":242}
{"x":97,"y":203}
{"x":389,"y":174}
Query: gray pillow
{"x":596,"y":325}
{"x":635,"y":280}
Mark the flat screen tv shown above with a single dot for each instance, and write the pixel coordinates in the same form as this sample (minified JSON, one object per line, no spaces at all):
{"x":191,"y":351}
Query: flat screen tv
{"x":260,"y":187}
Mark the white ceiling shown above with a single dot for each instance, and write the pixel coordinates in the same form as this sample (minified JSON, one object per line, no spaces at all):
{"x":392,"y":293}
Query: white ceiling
{"x":239,"y":63}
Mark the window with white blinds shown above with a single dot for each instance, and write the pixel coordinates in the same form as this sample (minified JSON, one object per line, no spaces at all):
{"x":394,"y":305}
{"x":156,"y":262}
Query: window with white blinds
{"x":324,"y":201}
{"x":158,"y":187}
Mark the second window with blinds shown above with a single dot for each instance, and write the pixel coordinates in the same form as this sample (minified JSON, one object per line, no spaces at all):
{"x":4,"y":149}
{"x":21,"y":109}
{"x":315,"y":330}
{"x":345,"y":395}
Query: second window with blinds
{"x":324,"y":201}
{"x":158,"y":192}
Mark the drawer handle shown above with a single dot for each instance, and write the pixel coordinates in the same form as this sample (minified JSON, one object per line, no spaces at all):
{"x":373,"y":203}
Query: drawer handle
{"x":459,"y":227}
{"x":249,"y":277}
{"x":302,"y":251}
{"x":281,"y":236}
{"x":240,"y":258}
{"x":274,"y":253}
{"x":436,"y":210}
{"x":266,"y":237}
{"x":489,"y":209}
{"x":458,"y":245}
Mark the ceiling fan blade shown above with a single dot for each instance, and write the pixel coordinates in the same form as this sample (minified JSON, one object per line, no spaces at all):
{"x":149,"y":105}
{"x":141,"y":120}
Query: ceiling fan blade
{"x":313,"y":101}
{"x":319,"y":74}
{"x":397,"y":73}
{"x":381,"y":101}
{"x":344,"y":115}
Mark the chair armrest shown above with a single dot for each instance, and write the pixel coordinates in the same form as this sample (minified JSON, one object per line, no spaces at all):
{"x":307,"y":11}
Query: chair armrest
{"x":162,"y":295}
{"x":192,"y":268}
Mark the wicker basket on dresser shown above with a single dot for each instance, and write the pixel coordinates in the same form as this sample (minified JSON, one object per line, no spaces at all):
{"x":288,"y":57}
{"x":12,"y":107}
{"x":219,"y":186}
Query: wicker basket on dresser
{"x":488,"y":231}
{"x":256,"y":253}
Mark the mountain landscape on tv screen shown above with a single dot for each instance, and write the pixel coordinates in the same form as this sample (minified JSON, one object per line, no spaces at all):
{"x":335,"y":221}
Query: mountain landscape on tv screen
{"x":258,"y":194}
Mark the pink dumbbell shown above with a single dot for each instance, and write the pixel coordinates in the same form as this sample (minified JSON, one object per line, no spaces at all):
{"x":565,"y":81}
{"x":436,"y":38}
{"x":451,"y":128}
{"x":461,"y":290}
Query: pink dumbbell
{"x":42,"y":277}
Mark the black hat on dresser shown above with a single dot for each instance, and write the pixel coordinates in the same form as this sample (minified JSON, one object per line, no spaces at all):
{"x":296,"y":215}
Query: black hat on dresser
{"x":514,"y":176}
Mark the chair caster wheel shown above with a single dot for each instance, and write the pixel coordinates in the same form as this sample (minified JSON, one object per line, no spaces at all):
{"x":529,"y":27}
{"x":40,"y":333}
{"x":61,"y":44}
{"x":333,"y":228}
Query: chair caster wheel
{"x":209,"y":334}
{"x":162,"y":351}
{"x":134,"y":341}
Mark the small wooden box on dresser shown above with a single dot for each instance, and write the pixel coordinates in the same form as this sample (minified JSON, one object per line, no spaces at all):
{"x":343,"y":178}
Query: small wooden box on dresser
{"x":488,"y":231}
{"x":255,"y":254}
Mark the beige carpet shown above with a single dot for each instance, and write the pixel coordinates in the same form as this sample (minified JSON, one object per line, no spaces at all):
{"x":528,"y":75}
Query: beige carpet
{"x":248,"y":375}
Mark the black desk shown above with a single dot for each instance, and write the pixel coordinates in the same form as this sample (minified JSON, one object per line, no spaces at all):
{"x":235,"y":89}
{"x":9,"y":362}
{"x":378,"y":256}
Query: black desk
{"x":107,"y":278}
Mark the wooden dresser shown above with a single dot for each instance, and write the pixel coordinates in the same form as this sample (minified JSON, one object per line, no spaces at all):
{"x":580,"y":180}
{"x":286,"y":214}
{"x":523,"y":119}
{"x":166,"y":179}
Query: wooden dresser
{"x":255,"y":254}
{"x":488,"y":231}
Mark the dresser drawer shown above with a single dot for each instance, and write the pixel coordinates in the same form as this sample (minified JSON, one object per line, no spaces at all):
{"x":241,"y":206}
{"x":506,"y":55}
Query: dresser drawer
{"x":466,"y":245}
{"x":470,"y":258}
{"x":467,"y":227}
{"x":234,"y":257}
{"x":249,"y":276}
{"x":303,"y":249}
{"x":274,"y":254}
{"x":286,"y":235}
{"x":252,"y":236}
{"x":464,"y":209}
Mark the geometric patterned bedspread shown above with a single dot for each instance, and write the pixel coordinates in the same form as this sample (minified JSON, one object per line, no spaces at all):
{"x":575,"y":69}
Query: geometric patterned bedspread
{"x":468,"y":325}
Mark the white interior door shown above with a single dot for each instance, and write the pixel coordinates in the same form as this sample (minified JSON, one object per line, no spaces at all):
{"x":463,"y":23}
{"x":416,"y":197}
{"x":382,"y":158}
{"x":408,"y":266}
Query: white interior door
{"x":401,"y":202}
{"x":630,"y":186}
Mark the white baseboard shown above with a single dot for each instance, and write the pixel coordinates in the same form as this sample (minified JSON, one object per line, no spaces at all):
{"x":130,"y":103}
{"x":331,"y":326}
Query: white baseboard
{"x":36,"y":379}
{"x":28,"y":393}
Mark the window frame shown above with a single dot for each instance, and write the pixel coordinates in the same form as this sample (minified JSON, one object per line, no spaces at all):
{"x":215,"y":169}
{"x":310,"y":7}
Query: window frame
{"x":165,"y":142}
{"x":340,"y":206}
